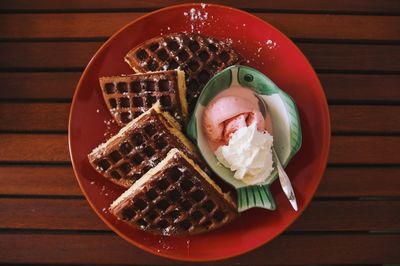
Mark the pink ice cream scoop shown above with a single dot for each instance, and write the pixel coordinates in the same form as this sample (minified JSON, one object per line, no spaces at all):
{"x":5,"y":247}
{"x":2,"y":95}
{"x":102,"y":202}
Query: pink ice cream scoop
{"x":225,"y":115}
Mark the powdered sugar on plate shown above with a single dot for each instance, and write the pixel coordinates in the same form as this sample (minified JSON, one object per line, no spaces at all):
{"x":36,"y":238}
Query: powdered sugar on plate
{"x":108,"y":124}
{"x":197,"y":18}
{"x":271,"y":44}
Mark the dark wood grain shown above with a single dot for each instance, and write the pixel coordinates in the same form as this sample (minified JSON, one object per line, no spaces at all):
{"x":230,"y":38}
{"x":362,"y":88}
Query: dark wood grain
{"x":34,"y":116}
{"x":54,"y":117}
{"x":61,"y":214}
{"x":338,"y":87}
{"x":54,"y":148}
{"x":368,"y":118}
{"x":359,"y":182}
{"x":336,"y":182}
{"x":347,"y":6}
{"x":34,"y":148}
{"x":352,"y":57}
{"x":349,"y":216}
{"x":38,"y":180}
{"x":364,"y":150}
{"x":49,"y":55}
{"x":111,"y":249}
{"x":65,"y":214}
{"x":38,"y":85}
{"x":358,"y":87}
{"x":380,"y":28}
{"x":332,"y":57}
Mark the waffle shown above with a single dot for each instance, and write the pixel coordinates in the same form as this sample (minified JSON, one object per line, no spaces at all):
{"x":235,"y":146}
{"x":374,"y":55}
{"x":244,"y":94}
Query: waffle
{"x":129,"y":96}
{"x":199,"y":56}
{"x":138,"y":147}
{"x":175,"y":198}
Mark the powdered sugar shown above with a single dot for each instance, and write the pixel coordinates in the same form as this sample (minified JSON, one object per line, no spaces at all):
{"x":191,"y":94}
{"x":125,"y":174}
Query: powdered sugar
{"x":228,"y":41}
{"x":163,"y":244}
{"x":197,"y":18}
{"x":182,"y":169}
{"x":198,"y":14}
{"x":108,"y":124}
{"x":271,"y":44}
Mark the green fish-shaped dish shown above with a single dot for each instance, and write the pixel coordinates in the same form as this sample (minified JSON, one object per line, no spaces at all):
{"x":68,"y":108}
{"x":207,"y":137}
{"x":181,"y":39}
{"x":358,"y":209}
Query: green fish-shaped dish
{"x":285,"y":126}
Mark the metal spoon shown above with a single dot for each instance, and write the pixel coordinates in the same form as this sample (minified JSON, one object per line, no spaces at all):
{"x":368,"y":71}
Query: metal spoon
{"x":283,"y":177}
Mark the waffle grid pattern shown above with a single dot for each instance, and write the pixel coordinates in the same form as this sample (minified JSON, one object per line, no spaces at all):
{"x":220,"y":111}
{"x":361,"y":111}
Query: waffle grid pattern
{"x":127,"y":97}
{"x":141,"y":148}
{"x":177,"y":201}
{"x":198,"y":56}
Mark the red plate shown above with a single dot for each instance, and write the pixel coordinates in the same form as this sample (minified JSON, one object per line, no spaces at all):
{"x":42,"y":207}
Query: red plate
{"x":266,"y":49}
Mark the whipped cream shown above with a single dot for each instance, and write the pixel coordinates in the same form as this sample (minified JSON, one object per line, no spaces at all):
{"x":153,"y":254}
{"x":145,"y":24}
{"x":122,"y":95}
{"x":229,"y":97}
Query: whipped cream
{"x":248,"y":154}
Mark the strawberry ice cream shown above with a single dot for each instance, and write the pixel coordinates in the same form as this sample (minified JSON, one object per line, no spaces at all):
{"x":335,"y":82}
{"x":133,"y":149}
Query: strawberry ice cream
{"x":236,"y":131}
{"x":226,"y":115}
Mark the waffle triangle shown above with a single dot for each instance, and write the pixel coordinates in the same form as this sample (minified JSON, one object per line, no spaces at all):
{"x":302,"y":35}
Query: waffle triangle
{"x":175,"y":198}
{"x":139,"y":146}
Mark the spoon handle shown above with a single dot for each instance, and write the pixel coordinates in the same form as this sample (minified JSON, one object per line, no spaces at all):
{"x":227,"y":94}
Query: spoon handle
{"x":285,"y":182}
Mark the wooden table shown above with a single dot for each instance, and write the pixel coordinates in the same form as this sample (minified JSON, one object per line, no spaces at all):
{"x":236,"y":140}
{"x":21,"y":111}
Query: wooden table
{"x":352,"y":44}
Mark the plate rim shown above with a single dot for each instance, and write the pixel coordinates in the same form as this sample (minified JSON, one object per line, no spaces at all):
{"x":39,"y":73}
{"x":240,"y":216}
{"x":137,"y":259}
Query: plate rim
{"x":326,"y":129}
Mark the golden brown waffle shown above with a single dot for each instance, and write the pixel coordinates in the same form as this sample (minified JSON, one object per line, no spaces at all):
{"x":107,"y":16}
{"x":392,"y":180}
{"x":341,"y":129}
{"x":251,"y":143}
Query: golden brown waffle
{"x":175,"y":198}
{"x":138,"y":147}
{"x":129,"y":96}
{"x":199,"y":56}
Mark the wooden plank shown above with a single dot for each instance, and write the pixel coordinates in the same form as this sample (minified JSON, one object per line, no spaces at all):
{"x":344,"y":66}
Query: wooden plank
{"x":46,"y":54}
{"x":365,"y":118}
{"x":49,"y":214}
{"x":364,"y":150}
{"x":38,"y":180}
{"x":332,"y":57}
{"x":34,"y":116}
{"x":357,"y":6}
{"x":358,"y":87}
{"x":349,"y":215}
{"x":64,"y":25}
{"x":37,"y":85}
{"x":380,"y":28}
{"x":352,"y":57}
{"x":111,"y":249}
{"x":359,"y":182}
{"x":54,"y":117}
{"x":60,"y":214}
{"x":34,"y":148}
{"x":344,"y":149}
{"x":337,"y":181}
{"x":338,"y":87}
